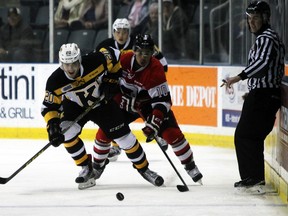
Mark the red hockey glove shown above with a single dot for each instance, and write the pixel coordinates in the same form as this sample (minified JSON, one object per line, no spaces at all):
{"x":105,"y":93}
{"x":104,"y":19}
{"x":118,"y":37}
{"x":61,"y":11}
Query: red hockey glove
{"x":54,"y":132}
{"x":153,"y":124}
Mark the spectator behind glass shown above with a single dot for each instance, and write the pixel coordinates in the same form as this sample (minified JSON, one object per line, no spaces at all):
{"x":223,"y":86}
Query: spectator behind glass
{"x":175,"y":27}
{"x":150,"y":23}
{"x":67,"y":12}
{"x":138,"y":11}
{"x":93,"y":16}
{"x":16,"y":39}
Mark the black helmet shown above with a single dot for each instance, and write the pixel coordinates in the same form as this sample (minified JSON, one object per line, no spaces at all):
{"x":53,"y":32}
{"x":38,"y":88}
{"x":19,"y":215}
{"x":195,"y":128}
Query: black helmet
{"x":259,"y":7}
{"x":144,"y":42}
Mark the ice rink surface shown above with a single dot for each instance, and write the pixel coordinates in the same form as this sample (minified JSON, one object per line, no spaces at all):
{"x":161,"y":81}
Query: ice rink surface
{"x":46,"y":186}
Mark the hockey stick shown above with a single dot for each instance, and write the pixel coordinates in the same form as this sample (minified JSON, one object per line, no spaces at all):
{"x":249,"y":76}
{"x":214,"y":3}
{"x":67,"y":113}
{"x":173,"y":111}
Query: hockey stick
{"x":181,"y":188}
{"x":5,"y":180}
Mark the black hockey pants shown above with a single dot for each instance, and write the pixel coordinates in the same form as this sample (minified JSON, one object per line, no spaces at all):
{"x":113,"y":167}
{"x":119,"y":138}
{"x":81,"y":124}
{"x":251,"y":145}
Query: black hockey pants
{"x":256,"y":122}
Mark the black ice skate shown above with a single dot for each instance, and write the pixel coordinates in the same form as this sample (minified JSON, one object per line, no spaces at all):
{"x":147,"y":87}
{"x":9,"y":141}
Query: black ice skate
{"x":152,"y":177}
{"x":194,"y":172}
{"x":98,"y":170}
{"x":250,"y":186}
{"x":86,"y":178}
{"x":114,"y":152}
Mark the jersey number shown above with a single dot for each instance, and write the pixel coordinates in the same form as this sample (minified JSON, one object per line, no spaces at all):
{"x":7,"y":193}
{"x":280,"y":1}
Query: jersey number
{"x":162,"y":90}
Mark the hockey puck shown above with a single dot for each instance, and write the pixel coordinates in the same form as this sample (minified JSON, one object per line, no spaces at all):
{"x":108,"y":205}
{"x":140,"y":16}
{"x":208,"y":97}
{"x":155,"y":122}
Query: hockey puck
{"x":120,"y":196}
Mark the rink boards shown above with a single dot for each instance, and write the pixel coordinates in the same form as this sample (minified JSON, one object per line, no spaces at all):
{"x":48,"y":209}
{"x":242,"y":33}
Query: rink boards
{"x":207,"y":113}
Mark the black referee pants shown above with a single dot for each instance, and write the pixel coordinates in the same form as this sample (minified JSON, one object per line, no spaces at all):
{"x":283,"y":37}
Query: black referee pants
{"x":256,"y":122}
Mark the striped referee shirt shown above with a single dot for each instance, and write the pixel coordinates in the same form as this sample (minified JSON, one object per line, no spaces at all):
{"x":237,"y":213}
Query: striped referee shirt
{"x":265,"y":62}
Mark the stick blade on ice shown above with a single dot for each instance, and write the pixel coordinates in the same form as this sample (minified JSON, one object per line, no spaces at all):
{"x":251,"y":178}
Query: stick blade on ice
{"x":3,"y":180}
{"x":182,"y":188}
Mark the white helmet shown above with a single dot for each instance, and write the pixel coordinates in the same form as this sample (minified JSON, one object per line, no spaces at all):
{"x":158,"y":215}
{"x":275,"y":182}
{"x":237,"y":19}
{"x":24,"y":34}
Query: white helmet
{"x":121,"y":23}
{"x":69,"y":53}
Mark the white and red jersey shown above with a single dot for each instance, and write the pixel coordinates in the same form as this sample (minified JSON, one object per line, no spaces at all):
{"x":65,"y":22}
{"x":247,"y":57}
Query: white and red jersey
{"x":147,"y":83}
{"x":149,"y":88}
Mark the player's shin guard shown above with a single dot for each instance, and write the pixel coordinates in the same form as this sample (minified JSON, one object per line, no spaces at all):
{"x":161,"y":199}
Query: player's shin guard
{"x":183,"y":151}
{"x":138,"y":158}
{"x":101,"y":151}
{"x":77,"y":151}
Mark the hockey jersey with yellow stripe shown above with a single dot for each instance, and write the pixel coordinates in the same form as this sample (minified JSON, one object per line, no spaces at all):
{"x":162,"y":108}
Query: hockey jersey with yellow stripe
{"x":84,"y":89}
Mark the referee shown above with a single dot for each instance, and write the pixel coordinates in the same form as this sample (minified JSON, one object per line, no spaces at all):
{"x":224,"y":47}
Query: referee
{"x":264,"y":74}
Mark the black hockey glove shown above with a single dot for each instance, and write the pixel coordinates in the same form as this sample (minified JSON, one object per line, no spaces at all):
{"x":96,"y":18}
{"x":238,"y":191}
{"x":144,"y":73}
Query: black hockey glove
{"x":109,"y":86}
{"x":153,"y":124}
{"x":54,"y":132}
{"x":109,"y":90}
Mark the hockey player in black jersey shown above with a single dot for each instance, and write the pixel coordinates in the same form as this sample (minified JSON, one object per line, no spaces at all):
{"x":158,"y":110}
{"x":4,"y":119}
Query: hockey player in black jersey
{"x":264,"y":74}
{"x":74,"y":86}
{"x":123,"y":41}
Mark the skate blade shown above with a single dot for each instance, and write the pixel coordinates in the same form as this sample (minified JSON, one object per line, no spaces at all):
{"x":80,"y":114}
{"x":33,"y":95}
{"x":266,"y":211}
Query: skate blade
{"x":200,"y":182}
{"x":90,"y":183}
{"x":255,"y":190}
